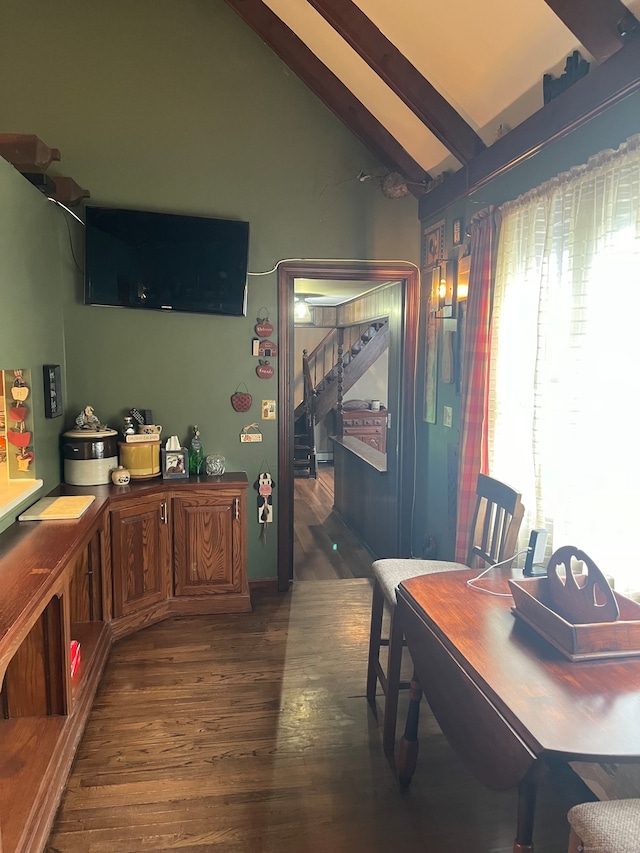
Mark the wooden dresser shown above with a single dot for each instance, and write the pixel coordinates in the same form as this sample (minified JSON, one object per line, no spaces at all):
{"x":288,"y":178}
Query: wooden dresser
{"x":368,"y":426}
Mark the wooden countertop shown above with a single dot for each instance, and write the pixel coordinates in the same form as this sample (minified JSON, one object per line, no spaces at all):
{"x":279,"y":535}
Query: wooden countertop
{"x":363,"y":451}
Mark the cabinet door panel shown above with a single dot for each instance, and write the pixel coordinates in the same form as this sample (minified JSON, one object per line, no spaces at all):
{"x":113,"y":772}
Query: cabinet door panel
{"x":85,"y":589}
{"x":140,"y":556}
{"x":207,"y":544}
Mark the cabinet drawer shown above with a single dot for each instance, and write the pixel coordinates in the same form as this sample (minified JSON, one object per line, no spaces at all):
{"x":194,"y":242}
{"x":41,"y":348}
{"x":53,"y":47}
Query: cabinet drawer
{"x":364,"y":419}
{"x":358,"y":431}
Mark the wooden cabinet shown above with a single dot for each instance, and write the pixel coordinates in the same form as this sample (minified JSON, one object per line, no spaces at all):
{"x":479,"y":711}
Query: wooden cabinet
{"x":92,"y":580}
{"x":140,"y":553}
{"x":367,"y":426}
{"x":209,"y":536}
{"x":179,"y":549}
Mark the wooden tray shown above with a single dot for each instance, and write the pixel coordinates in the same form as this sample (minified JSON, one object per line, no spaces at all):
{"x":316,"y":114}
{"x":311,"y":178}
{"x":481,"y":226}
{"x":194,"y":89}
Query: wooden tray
{"x":577,"y":642}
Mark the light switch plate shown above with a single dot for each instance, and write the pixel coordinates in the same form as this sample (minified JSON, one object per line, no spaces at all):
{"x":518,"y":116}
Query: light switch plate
{"x":448,"y":416}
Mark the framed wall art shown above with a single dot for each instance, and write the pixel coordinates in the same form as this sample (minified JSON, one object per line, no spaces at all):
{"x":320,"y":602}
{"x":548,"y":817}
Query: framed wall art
{"x":458,"y":234}
{"x":52,"y":380}
{"x":431,"y":368}
{"x":433,"y":245}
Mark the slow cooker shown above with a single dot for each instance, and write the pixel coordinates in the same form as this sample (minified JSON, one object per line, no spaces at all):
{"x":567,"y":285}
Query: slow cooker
{"x":89,"y":456}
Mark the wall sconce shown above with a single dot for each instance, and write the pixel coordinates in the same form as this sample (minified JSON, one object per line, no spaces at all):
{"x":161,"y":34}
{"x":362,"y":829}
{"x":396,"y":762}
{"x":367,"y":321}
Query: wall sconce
{"x":443,"y":289}
{"x":462,"y":289}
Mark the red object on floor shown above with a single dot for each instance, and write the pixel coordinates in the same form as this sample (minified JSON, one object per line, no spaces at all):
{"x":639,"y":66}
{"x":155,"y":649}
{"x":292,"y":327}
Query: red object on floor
{"x":74,"y":650}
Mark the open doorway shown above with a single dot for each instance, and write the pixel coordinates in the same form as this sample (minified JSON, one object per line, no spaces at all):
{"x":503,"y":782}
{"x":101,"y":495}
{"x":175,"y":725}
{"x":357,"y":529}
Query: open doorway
{"x":404,"y":331}
{"x":335,"y":367}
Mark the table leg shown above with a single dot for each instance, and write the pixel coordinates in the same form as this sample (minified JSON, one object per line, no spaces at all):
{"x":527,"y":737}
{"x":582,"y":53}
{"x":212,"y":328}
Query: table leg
{"x":408,"y":749}
{"x":527,"y":793}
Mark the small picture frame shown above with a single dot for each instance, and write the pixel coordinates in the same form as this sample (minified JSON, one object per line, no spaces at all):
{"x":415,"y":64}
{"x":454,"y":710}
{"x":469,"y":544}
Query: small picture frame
{"x":433,"y":245}
{"x":52,"y":381}
{"x":175,"y":464}
{"x":458,"y":234}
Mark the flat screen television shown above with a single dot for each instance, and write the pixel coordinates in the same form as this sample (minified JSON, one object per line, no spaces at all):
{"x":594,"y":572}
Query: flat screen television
{"x":165,"y":261}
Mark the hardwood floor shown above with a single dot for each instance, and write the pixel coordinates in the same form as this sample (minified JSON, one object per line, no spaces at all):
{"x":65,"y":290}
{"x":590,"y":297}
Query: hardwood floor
{"x":323,"y":547}
{"x":251,"y":732}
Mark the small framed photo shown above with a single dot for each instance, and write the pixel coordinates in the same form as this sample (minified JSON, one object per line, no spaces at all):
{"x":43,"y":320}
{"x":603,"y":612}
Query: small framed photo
{"x":457,"y":232}
{"x":175,"y":464}
{"x":52,"y":390}
{"x":433,"y":245}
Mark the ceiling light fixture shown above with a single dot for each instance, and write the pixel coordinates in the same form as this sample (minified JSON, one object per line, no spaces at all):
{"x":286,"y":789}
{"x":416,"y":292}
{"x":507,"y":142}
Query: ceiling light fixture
{"x":301,"y":310}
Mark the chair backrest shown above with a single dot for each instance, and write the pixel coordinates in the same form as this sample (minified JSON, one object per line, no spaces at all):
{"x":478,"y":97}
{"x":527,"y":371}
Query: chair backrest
{"x":496,"y":522}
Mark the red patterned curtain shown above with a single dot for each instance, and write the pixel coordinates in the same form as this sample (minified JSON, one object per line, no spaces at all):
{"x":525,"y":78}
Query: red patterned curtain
{"x":473,"y":456}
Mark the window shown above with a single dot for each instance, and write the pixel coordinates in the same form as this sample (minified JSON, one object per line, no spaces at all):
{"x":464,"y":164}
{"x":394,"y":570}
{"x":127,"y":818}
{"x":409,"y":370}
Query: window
{"x":565,"y":348}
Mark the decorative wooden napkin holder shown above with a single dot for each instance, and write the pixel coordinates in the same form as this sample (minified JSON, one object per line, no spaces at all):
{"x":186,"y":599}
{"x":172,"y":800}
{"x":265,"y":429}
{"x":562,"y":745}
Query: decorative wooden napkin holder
{"x":592,"y":641}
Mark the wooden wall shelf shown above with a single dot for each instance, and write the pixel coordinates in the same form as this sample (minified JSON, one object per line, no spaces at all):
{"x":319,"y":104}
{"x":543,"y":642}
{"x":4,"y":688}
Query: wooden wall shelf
{"x":32,"y":157}
{"x":27,"y":152}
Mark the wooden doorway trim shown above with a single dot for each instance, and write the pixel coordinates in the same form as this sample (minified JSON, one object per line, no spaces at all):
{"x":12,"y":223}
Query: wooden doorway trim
{"x":379,"y":272}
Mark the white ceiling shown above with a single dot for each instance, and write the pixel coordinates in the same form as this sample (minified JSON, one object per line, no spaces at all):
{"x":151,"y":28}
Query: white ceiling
{"x":330,"y":292}
{"x":397,"y":73}
{"x":486,"y":58}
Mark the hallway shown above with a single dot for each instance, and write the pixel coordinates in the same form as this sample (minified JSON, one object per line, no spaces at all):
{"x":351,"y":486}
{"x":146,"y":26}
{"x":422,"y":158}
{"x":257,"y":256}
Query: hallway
{"x":323,"y":547}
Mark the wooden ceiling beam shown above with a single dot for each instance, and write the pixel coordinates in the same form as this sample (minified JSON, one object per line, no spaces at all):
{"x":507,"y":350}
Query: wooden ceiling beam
{"x":329,"y":89}
{"x":594,"y":23}
{"x":434,"y":111}
{"x":605,"y":85}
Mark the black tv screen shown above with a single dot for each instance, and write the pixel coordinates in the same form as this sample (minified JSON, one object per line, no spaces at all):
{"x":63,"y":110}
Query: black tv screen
{"x":165,"y":261}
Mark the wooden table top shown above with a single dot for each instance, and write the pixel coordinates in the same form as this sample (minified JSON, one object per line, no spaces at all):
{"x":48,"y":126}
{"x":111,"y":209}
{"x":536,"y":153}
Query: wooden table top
{"x":583,"y":710}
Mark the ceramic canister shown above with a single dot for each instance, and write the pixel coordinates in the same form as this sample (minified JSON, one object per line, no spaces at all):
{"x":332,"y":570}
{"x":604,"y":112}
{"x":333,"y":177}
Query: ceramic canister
{"x":89,"y":456}
{"x":120,"y":476}
{"x":142,"y":458}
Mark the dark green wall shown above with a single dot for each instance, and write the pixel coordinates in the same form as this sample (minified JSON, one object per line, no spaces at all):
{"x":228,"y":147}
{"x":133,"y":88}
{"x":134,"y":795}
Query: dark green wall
{"x":174,"y":106}
{"x":32,"y":236}
{"x":436,"y":442}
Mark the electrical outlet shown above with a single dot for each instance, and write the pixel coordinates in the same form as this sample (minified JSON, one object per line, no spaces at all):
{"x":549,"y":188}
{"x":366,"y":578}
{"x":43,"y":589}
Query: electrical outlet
{"x":448,"y":416}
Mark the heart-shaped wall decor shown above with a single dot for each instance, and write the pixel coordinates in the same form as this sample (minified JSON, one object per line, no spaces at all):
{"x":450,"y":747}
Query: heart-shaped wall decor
{"x":17,"y":413}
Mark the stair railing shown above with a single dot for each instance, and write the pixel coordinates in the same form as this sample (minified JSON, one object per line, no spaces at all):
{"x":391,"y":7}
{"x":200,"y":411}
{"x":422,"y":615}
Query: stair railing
{"x":323,"y":358}
{"x":326,"y":368}
{"x":310,"y":394}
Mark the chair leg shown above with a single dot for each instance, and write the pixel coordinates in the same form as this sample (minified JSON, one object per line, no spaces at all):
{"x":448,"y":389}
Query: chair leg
{"x":396,"y":640}
{"x":375,"y":634}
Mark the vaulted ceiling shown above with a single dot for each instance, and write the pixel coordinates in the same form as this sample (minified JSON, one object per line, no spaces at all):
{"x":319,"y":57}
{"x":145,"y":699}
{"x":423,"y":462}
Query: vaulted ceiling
{"x":432,"y":86}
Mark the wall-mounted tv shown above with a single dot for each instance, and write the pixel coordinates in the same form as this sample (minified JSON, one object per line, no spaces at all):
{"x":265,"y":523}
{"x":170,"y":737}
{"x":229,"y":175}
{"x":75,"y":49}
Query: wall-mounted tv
{"x":165,"y":261}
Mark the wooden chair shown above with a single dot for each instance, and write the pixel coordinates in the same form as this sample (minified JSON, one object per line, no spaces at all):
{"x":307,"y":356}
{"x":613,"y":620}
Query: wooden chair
{"x":495,"y":526}
{"x":611,"y":826}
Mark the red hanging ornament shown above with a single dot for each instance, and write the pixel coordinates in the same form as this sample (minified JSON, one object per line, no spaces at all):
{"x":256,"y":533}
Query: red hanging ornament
{"x":264,"y":328}
{"x":241,"y":400}
{"x":264,"y":369}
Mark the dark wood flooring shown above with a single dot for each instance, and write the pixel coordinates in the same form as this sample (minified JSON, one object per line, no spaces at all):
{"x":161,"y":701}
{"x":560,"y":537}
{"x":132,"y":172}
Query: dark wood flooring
{"x":251,"y":732}
{"x":324,"y":548}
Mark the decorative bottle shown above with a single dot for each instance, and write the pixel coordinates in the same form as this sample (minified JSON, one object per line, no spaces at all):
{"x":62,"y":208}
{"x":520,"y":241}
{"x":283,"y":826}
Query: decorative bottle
{"x":196,"y":453}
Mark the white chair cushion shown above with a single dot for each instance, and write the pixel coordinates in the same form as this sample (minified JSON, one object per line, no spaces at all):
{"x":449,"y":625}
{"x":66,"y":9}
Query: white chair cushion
{"x":611,"y":826}
{"x":391,"y":572}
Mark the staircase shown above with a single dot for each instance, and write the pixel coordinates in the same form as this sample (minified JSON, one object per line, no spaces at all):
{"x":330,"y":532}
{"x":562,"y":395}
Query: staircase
{"x":334,"y":366}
